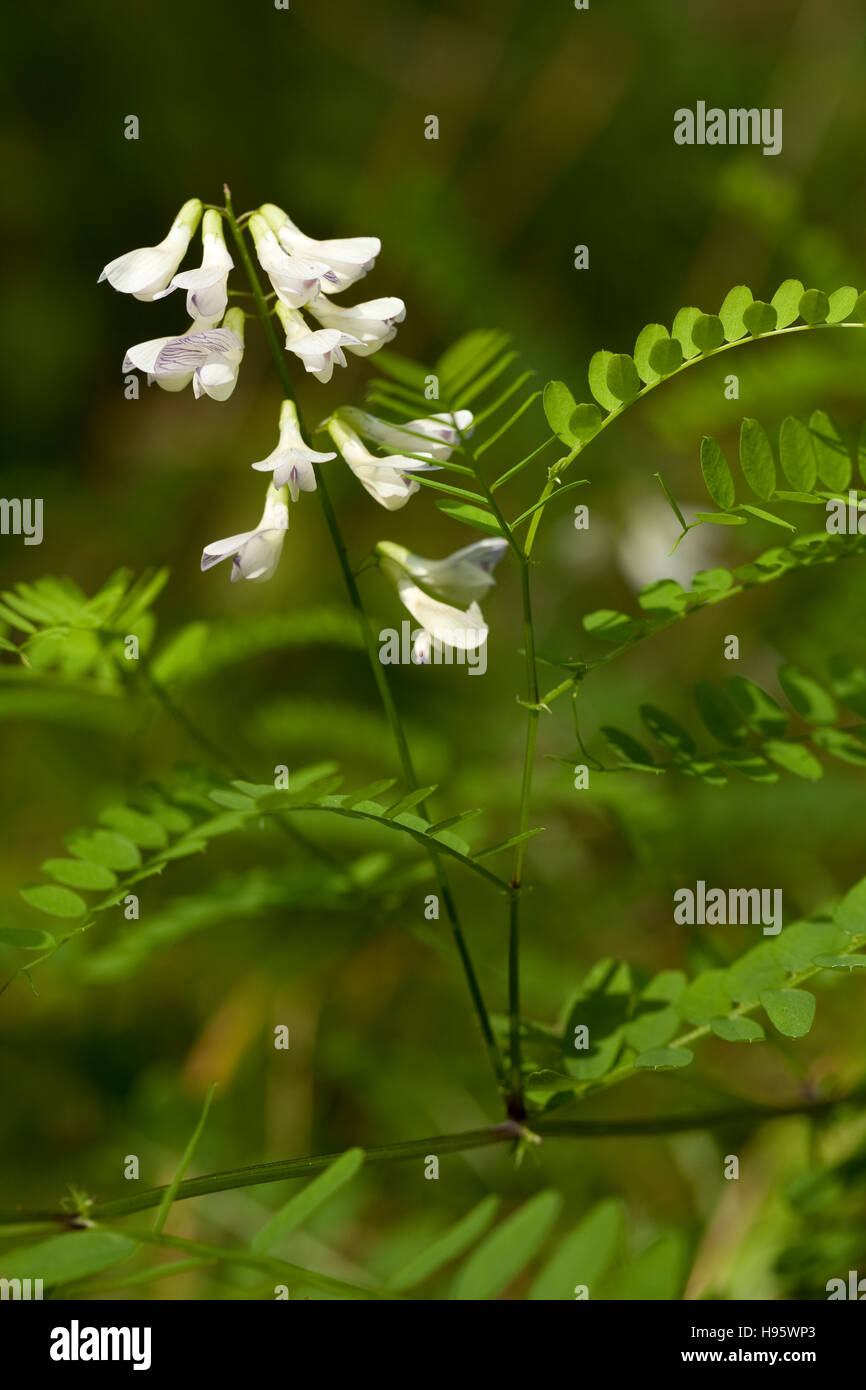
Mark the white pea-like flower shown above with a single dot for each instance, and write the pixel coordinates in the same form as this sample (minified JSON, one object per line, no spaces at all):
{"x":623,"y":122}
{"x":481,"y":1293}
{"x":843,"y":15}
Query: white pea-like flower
{"x":294,"y":279}
{"x":387,"y":479}
{"x":207,"y":287}
{"x":461,"y":578}
{"x":292,"y":461}
{"x":256,"y":553}
{"x":347,"y":258}
{"x":210,"y":358}
{"x":146,"y":273}
{"x":425,"y":586}
{"x":436,"y":435}
{"x":372,"y":325}
{"x":320,"y":349}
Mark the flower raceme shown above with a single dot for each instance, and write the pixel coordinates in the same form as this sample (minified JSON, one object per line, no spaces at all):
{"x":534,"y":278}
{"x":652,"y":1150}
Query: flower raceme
{"x":292,"y":461}
{"x":256,"y":553}
{"x":442,"y":595}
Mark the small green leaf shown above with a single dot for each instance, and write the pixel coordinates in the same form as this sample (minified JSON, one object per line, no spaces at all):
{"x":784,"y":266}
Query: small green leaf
{"x":758,"y":708}
{"x":756,"y":458}
{"x":797,"y":454}
{"x":705,"y":997}
{"x":734,"y":304}
{"x":141,"y":830}
{"x":583,"y":1255}
{"x":842,"y":745}
{"x":57,"y":901}
{"x":852,"y":962}
{"x":446,"y":1247}
{"x":760,"y":318}
{"x":719,"y":714}
{"x":66,"y":1259}
{"x":757,"y":969}
{"x":585,"y":422}
{"x":682,"y":331}
{"x":791,"y":1011}
{"x":834,"y":463}
{"x":611,"y":626}
{"x":25,"y":938}
{"x":664,"y":1058}
{"x":786,"y":302}
{"x":709,"y":583}
{"x":794,"y":758}
{"x":718,"y":478}
{"x":471,"y":516}
{"x":303,"y":1204}
{"x":78,"y":873}
{"x":708,"y":333}
{"x":737,"y":1029}
{"x":626,"y":748}
{"x":721,"y":518}
{"x":850,"y":915}
{"x":622,"y":378}
{"x":811,"y":701}
{"x":842,"y":303}
{"x":666,"y":355}
{"x":646,"y":341}
{"x":667,"y":730}
{"x":559,"y":406}
{"x":106,"y":848}
{"x":598,"y":365}
{"x":814,"y":307}
{"x":664,"y":596}
{"x":508,"y":1249}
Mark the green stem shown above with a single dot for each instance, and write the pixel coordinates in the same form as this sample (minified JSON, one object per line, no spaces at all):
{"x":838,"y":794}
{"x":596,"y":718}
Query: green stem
{"x":261,"y":1173}
{"x":369,"y":639}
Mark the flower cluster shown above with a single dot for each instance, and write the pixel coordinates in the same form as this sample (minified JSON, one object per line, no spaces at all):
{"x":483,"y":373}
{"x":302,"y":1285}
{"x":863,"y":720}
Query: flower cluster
{"x":305,"y":274}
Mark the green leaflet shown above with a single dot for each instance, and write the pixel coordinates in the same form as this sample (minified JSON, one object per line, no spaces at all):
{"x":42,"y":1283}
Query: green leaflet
{"x":791,"y":1011}
{"x":67,"y":1258}
{"x":304,"y":1204}
{"x":559,"y":407}
{"x":718,"y":478}
{"x":54,"y":899}
{"x":664,"y":1059}
{"x":756,"y":458}
{"x":478,"y":518}
{"x":508,"y":1249}
{"x":737,"y":1029}
{"x":797,"y":454}
{"x":734,"y":305}
{"x":447,"y":1247}
{"x":584,"y":1255}
{"x":832,"y":459}
{"x":657,"y":1274}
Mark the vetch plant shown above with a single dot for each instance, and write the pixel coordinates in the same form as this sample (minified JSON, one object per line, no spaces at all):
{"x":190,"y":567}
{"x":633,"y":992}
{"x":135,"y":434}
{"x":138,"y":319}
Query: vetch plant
{"x":615,"y":1024}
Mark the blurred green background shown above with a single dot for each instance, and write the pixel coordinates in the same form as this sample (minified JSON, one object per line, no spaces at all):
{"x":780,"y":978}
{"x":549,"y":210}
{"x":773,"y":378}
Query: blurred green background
{"x":556,"y":129}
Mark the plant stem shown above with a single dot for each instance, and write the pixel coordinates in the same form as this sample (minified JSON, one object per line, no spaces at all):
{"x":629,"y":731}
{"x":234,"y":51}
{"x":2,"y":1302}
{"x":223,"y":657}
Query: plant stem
{"x":260,"y":1173}
{"x":515,"y":1102}
{"x":369,"y":638}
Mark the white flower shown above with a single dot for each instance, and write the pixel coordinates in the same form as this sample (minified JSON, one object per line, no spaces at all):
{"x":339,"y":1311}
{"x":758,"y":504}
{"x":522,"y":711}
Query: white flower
{"x":256,"y":553}
{"x":439,"y":622}
{"x":320,"y":350}
{"x":292,"y":460}
{"x":209,"y":358}
{"x":295,"y":279}
{"x":436,"y":435}
{"x":461,"y":578}
{"x":348,"y":258}
{"x":146,"y":273}
{"x":385,"y":479}
{"x":371,"y":324}
{"x":207,"y":287}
